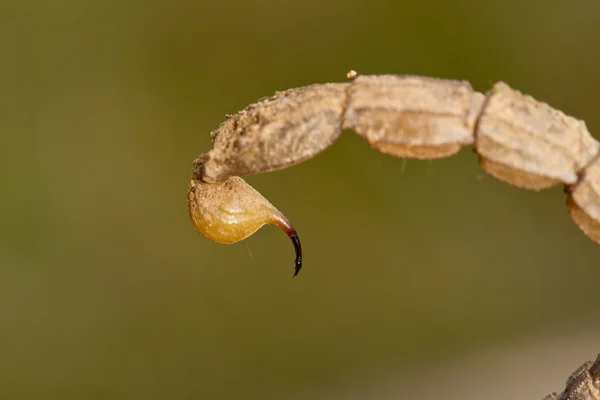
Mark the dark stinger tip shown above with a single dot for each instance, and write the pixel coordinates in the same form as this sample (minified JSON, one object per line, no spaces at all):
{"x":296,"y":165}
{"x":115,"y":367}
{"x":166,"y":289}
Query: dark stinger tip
{"x":298,"y":248}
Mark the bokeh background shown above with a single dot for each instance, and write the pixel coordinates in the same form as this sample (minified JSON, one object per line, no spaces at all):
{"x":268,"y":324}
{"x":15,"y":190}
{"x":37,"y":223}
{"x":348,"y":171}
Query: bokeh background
{"x":422,"y":279}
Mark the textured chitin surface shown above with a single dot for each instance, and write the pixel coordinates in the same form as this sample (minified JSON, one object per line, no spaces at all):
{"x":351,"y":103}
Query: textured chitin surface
{"x":412,"y":116}
{"x":404,"y":116}
{"x":518,"y":139}
{"x":529,"y":144}
{"x":583,"y":384}
{"x":277,"y":132}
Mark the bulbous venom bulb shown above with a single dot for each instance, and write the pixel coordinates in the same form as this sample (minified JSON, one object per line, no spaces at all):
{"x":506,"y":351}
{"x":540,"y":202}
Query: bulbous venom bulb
{"x":230,"y":211}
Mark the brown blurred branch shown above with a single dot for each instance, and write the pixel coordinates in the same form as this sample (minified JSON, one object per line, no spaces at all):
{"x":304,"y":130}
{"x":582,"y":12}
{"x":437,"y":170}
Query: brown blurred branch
{"x":583,"y":384}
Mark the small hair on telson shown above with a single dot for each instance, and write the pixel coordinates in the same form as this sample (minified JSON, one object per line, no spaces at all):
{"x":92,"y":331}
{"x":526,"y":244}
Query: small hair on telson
{"x":518,"y":139}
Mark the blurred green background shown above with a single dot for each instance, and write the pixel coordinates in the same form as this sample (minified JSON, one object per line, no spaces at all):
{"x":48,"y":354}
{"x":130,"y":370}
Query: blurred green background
{"x":108,"y":292}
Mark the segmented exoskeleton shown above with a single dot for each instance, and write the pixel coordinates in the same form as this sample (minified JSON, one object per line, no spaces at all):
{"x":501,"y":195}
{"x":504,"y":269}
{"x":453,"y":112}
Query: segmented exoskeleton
{"x":518,"y":140}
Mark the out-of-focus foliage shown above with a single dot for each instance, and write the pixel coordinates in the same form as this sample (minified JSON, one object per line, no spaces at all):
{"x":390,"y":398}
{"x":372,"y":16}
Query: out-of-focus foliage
{"x":106,"y":289}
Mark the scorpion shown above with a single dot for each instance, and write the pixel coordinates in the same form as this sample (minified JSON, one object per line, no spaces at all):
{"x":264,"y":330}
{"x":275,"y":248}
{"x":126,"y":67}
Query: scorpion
{"x":518,"y":140}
